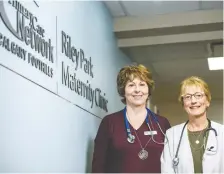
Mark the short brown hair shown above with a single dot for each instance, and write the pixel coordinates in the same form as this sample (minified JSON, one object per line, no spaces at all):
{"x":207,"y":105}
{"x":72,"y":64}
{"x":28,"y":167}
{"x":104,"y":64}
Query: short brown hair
{"x":129,"y":73}
{"x":194,"y":81}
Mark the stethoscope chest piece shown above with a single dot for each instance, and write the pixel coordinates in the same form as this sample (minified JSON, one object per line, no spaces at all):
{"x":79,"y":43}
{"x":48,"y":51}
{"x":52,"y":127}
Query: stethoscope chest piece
{"x":175,"y":161}
{"x":131,"y":138}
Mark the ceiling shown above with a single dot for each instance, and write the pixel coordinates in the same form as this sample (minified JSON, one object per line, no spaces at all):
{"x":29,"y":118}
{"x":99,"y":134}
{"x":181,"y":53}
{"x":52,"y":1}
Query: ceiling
{"x":173,"y":39}
{"x":147,"y":8}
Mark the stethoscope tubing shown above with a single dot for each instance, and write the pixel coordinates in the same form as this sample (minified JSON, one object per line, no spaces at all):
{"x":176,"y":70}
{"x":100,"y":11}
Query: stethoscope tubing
{"x":130,"y":137}
{"x":176,"y":159}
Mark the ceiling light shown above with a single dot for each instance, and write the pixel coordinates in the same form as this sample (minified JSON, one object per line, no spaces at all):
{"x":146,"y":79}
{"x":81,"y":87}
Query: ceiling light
{"x":216,"y":63}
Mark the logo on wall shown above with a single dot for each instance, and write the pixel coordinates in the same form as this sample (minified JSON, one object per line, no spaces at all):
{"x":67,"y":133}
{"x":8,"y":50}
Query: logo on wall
{"x":31,"y":33}
{"x":24,"y":26}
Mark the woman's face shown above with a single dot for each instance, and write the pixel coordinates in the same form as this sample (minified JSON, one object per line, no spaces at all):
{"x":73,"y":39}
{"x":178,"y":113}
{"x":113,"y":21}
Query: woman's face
{"x":136,"y":92}
{"x":194,"y":101}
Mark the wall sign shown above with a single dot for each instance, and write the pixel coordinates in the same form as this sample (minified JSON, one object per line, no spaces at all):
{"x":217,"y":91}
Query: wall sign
{"x":29,"y":43}
{"x":32,"y":35}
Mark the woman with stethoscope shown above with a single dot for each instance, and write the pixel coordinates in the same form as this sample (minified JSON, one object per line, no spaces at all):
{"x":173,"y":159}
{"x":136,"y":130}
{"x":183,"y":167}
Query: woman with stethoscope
{"x":195,"y":146}
{"x":131,"y":140}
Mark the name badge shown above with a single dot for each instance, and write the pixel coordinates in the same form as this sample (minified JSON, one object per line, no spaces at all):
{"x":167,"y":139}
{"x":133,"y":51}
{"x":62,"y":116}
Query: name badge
{"x":150,"y":133}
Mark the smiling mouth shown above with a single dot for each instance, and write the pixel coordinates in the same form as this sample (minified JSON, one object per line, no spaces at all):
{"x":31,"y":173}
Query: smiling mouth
{"x":137,"y":96}
{"x":195,"y":107}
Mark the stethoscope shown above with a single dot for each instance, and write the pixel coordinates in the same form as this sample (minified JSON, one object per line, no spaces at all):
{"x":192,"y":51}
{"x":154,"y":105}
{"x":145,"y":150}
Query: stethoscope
{"x":131,"y":138}
{"x":210,"y":149}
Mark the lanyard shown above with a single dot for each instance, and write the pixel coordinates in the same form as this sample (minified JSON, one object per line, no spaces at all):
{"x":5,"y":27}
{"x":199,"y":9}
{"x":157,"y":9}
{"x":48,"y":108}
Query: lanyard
{"x":127,"y":124}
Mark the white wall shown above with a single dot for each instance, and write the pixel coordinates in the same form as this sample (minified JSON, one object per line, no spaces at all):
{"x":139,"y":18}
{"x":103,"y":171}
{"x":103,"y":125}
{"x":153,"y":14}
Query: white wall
{"x":41,"y":128}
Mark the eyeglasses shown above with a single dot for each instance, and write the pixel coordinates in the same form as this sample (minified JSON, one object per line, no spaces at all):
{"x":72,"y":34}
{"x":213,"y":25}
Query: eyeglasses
{"x":197,"y":95}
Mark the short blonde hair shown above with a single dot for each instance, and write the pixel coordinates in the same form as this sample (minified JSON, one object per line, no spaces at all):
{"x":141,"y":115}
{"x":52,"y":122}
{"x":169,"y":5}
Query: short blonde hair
{"x":194,"y":81}
{"x":129,"y":73}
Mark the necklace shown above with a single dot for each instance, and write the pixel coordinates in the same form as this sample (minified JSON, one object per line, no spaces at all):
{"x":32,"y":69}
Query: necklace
{"x":193,"y":144}
{"x":143,"y":154}
{"x":197,"y":139}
